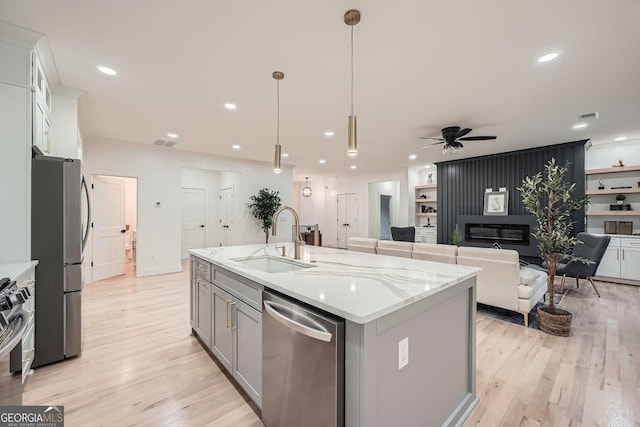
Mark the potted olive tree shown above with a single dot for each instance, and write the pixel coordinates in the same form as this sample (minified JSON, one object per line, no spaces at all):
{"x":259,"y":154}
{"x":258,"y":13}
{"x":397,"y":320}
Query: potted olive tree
{"x":264,"y":206}
{"x":550,"y":199}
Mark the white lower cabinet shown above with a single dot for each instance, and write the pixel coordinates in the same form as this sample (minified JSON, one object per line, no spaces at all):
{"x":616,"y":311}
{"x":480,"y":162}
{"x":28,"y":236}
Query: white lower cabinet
{"x":426,"y":235}
{"x":222,"y":345}
{"x":621,"y":259}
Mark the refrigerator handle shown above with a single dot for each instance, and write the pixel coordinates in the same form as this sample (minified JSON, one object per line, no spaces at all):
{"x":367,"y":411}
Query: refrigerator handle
{"x":86,"y":192}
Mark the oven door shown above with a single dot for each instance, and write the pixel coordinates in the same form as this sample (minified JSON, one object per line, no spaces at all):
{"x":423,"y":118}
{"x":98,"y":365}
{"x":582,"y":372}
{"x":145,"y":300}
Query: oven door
{"x":10,"y":383}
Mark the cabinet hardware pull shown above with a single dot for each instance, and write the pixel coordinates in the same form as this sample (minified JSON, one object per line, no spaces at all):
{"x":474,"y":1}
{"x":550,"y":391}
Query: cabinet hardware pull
{"x":232,"y":326}
{"x":228,"y":321}
{"x":623,"y":254}
{"x":618,"y":253}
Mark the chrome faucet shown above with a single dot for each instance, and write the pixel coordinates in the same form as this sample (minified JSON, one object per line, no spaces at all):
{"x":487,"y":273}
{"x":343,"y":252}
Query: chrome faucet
{"x":297,"y":240}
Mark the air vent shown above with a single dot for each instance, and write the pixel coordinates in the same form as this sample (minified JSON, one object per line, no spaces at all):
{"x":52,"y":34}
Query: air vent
{"x":164,"y":143}
{"x":589,"y":116}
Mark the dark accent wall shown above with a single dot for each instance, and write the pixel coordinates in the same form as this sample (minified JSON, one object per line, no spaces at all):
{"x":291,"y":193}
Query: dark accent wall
{"x":462,"y":183}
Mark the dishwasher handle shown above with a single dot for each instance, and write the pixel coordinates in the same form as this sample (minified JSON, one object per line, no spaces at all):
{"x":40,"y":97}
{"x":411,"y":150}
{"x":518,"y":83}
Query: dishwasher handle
{"x":290,"y":323}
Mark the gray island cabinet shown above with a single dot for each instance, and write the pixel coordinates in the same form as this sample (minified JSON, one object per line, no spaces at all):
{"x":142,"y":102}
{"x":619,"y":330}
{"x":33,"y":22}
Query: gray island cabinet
{"x":409,"y":326}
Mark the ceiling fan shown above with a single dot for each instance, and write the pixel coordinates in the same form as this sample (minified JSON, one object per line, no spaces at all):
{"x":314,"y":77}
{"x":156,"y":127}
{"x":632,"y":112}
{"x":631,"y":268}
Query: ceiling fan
{"x":451,"y":137}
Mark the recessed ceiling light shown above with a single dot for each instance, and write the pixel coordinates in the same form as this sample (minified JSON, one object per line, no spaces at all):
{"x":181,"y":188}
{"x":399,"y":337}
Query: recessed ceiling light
{"x":236,"y":146}
{"x":354,"y":167}
{"x":579,"y":126}
{"x":427,"y":166}
{"x":620,"y":139}
{"x":285,"y":154}
{"x":172,"y":135}
{"x":329,"y":133}
{"x":548,"y":57}
{"x":322,"y":161}
{"x":107,"y":70}
{"x":230,"y":106}
{"x":412,"y":157}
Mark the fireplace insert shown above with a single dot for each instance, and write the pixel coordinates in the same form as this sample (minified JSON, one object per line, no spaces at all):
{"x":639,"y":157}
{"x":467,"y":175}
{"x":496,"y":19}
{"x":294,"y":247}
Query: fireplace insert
{"x":512,"y":234}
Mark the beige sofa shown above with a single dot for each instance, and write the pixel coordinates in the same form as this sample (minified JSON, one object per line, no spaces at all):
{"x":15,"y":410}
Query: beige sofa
{"x":362,"y":244}
{"x":501,"y":282}
{"x":394,"y":248}
{"x":434,"y":252}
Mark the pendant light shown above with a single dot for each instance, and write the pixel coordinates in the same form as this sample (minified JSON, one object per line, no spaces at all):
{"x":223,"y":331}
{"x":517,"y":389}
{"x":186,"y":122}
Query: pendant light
{"x":306,"y":191}
{"x":278,"y":75}
{"x":351,"y":18}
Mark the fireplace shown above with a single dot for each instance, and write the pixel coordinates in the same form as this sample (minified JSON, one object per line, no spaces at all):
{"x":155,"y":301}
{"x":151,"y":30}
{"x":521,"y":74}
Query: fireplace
{"x":508,"y":232}
{"x":512,"y":234}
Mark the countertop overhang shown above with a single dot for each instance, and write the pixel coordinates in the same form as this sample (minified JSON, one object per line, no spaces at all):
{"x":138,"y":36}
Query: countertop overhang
{"x":357,"y":286}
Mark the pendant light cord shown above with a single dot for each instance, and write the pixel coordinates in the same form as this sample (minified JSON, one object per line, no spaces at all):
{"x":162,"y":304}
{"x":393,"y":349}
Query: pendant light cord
{"x":352,"y":70}
{"x":278,"y":112}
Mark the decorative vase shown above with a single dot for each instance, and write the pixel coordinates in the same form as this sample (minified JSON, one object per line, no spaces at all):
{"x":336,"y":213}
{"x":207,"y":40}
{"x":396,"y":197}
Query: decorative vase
{"x":556,"y":323}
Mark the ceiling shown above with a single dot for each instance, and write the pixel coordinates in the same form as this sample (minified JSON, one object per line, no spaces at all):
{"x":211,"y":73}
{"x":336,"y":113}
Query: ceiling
{"x":419,"y":66}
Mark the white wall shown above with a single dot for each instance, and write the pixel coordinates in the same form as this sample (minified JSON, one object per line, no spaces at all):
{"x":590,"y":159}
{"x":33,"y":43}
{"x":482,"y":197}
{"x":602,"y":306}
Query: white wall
{"x":131,"y":203}
{"x":322,"y":208}
{"x":159,"y":173}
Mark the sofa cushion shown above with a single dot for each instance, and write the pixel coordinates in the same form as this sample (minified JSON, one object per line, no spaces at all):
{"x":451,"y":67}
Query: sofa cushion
{"x":394,"y":248}
{"x":534,"y":281}
{"x":362,"y":244}
{"x":489,"y":253}
{"x":435,"y":252}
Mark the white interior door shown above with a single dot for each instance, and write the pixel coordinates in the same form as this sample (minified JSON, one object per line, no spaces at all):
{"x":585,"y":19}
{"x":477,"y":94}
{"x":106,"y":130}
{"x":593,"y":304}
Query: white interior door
{"x":226,"y":214}
{"x":108,"y":226}
{"x":193,"y":220}
{"x":347,"y":218}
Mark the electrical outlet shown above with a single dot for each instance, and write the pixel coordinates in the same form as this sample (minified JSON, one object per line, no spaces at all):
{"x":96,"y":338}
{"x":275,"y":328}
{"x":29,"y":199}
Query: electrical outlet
{"x":403,"y":353}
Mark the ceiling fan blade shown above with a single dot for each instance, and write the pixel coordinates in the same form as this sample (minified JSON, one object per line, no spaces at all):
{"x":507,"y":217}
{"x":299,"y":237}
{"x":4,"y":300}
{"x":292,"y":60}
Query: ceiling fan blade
{"x":462,"y":132}
{"x":427,"y":137}
{"x":477,"y":138}
{"x":430,"y":145}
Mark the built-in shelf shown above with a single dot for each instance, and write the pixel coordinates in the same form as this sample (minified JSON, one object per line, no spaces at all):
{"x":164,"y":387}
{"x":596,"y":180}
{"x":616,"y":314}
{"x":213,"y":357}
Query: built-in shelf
{"x":426,"y":187}
{"x":426,"y":214}
{"x":431,"y":200}
{"x":614,"y":191}
{"x":613,"y":213}
{"x":635,"y":168}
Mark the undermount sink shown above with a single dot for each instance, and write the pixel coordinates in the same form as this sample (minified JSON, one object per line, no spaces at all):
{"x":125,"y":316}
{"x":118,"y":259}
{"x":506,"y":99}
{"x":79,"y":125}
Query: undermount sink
{"x":272,"y":264}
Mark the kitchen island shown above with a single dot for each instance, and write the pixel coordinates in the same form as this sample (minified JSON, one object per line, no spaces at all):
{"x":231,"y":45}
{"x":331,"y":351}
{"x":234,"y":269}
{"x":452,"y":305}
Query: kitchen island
{"x":409,"y":346}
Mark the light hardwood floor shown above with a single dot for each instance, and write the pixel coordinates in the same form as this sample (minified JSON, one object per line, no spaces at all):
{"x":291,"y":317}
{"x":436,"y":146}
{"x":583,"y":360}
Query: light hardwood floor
{"x":140,"y":366}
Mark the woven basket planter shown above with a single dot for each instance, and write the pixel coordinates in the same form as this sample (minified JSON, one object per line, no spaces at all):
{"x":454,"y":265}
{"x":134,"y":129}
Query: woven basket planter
{"x":557,"y":323}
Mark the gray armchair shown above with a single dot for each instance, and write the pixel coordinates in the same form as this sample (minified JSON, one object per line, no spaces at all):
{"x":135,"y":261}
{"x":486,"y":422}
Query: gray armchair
{"x":592,"y":248}
{"x":403,"y":234}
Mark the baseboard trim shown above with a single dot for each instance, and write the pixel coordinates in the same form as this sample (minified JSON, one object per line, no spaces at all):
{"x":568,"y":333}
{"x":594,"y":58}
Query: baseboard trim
{"x":159,"y":270}
{"x":616,"y":280}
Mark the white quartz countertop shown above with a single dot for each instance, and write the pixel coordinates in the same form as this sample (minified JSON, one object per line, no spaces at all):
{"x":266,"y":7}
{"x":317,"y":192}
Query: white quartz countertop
{"x":357,"y":286}
{"x":14,"y":269}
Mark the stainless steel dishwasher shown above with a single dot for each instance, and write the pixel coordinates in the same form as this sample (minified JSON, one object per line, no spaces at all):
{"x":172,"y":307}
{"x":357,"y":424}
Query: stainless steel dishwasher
{"x":302,"y":365}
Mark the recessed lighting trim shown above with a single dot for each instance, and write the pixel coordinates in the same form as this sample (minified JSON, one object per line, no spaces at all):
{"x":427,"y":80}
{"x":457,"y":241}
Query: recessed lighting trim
{"x":354,"y":167}
{"x":285,"y":154}
{"x":172,"y":135}
{"x":107,"y":70}
{"x":236,"y":146}
{"x":412,"y":157}
{"x":230,"y":106}
{"x":548,"y":57}
{"x":620,"y":139}
{"x":329,"y":133}
{"x":322,"y":161}
{"x":579,"y":126}
{"x":427,"y":166}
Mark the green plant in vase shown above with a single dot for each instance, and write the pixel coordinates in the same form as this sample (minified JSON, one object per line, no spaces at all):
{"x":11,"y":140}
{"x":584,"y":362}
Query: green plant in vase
{"x":264,"y":206}
{"x":550,"y":199}
{"x":621,"y":198}
{"x":456,"y":236}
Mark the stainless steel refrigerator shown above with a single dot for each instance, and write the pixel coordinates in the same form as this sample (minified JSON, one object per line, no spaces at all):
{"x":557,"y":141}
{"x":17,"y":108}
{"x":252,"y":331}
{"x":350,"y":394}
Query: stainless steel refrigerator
{"x":59,"y":229}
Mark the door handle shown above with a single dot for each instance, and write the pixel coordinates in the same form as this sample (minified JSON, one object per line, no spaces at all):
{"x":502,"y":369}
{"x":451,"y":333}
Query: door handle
{"x":202,"y":226}
{"x":123,"y":231}
{"x":318,"y":334}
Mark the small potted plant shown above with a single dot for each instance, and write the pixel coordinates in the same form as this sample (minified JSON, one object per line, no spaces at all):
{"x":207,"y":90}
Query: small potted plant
{"x":456,"y":236}
{"x":620,"y":198}
{"x":264,"y":206}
